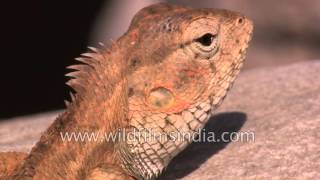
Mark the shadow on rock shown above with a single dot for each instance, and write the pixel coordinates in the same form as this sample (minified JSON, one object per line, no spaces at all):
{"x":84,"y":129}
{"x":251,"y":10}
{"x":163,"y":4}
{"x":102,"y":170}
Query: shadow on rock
{"x":198,"y":152}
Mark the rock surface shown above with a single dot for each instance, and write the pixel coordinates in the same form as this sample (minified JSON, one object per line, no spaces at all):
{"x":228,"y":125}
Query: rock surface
{"x":280,"y":106}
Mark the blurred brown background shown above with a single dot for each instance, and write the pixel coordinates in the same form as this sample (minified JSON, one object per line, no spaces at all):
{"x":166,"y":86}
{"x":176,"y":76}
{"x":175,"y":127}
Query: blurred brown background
{"x":40,"y":38}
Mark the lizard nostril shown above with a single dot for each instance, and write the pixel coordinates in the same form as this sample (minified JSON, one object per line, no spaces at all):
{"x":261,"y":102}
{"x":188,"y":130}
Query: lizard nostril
{"x":130,"y":92}
{"x":240,"y":20}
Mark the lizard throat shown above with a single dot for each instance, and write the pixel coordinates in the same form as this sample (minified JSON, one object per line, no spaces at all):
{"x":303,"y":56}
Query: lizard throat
{"x":158,"y":138}
{"x":154,"y":145}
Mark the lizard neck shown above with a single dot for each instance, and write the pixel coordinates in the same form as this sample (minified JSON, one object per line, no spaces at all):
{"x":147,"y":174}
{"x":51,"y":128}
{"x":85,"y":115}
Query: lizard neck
{"x":75,"y":142}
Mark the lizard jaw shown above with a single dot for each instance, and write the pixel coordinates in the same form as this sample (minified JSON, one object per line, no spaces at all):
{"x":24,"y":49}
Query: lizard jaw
{"x":146,"y":159}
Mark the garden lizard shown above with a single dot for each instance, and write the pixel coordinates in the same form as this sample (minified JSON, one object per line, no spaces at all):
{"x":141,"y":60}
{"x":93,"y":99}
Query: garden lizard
{"x":165,"y":75}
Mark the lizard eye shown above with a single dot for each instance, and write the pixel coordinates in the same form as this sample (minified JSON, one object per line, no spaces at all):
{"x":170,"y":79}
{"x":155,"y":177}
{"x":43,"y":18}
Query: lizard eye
{"x":201,"y":38}
{"x":205,"y":46}
{"x":206,"y":40}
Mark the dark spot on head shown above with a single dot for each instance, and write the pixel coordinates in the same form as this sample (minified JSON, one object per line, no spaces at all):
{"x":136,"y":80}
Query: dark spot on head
{"x":183,"y":79}
{"x":159,"y":54}
{"x":157,"y":103}
{"x":167,"y":27}
{"x":213,"y":67}
{"x":130,"y":92}
{"x":178,"y":85}
{"x":196,"y":55}
{"x":152,"y":10}
{"x":167,"y":7}
{"x":237,"y":41}
{"x":188,"y":18}
{"x":135,"y":62}
{"x":206,"y":13}
{"x":166,"y":120}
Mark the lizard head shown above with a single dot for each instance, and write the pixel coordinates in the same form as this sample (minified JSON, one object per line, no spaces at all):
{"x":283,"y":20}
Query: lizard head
{"x":165,"y":75}
{"x":181,"y":62}
{"x":180,"y":56}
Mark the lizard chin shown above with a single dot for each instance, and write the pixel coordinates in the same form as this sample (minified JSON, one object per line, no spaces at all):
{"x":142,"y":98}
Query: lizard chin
{"x":151,"y":149}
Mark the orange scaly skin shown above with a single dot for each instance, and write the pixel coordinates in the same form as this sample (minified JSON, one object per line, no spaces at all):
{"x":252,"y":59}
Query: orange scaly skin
{"x":166,"y":74}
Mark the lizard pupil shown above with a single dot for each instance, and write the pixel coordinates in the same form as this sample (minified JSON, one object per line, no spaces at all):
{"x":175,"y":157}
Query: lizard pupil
{"x":206,"y":40}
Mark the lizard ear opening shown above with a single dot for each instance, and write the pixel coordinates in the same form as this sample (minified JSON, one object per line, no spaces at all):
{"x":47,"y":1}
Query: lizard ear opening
{"x":160,"y":98}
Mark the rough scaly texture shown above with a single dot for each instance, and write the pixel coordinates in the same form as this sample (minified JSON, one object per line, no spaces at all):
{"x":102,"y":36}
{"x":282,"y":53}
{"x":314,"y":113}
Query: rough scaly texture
{"x":165,"y":75}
